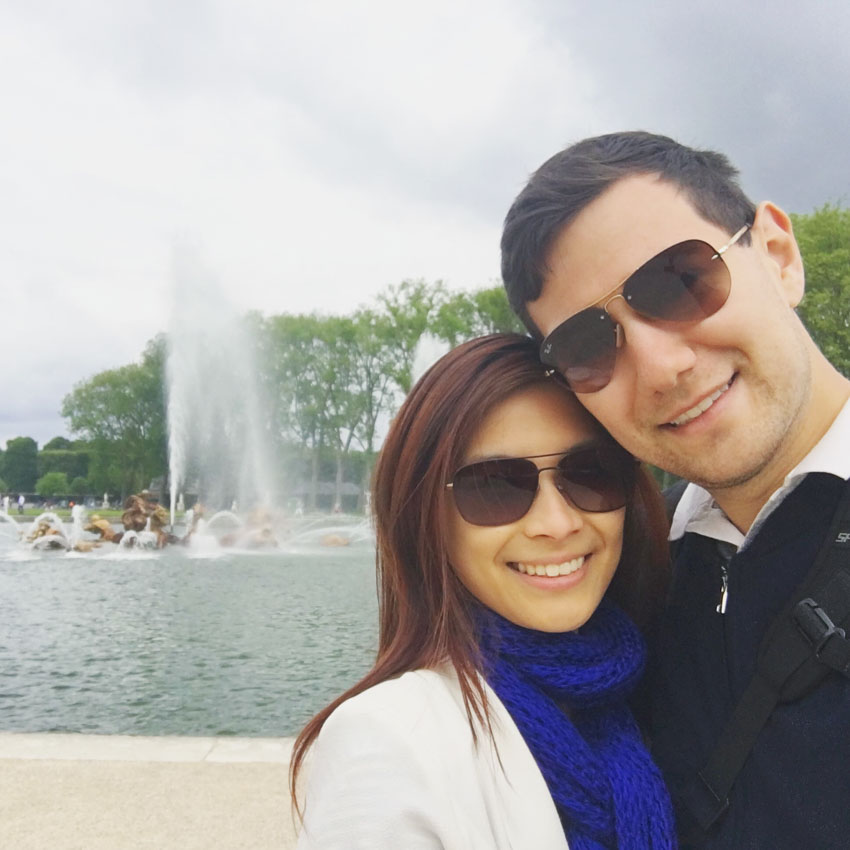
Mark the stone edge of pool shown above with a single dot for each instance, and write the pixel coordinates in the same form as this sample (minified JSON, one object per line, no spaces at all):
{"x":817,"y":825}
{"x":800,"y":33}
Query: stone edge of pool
{"x":121,"y":792}
{"x":81,"y":747}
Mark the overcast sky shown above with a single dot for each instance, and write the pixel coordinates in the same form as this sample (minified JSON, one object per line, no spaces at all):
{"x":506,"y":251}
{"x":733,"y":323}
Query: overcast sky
{"x":320,"y":151}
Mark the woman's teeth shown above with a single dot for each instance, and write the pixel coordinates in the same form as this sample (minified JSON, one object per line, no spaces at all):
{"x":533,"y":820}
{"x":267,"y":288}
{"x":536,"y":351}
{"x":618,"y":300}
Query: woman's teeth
{"x":551,"y":570}
{"x":695,"y":411}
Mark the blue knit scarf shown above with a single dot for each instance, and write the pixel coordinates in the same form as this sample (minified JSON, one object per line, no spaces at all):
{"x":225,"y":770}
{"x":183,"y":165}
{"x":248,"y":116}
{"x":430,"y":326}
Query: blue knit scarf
{"x":607,"y":790}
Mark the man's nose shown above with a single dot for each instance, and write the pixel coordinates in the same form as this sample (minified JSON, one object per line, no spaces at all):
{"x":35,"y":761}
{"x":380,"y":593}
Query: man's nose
{"x":657,"y":352}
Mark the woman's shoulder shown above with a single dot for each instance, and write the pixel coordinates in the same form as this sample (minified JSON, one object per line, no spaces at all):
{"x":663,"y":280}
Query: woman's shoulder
{"x":400,"y":758}
{"x":377,"y":775}
{"x":410,"y":703}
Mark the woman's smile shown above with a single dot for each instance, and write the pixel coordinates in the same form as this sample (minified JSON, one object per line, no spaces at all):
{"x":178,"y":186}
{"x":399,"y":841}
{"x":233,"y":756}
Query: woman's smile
{"x":550,"y":569}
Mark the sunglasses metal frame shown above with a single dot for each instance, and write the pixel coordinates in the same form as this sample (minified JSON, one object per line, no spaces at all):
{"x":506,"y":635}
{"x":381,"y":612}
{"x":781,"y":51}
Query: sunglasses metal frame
{"x":617,"y":292}
{"x":628,"y":460}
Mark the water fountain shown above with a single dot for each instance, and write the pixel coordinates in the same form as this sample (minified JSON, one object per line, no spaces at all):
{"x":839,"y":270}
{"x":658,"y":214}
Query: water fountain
{"x":429,"y":349}
{"x":246,"y":622}
{"x":10,"y":531}
{"x":224,"y":533}
{"x":215,"y":439}
{"x":215,"y":436}
{"x":138,"y":540}
{"x":47,"y":532}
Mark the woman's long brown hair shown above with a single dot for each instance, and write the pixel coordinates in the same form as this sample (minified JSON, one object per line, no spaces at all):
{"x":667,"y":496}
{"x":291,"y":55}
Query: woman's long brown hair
{"x":424,"y":610}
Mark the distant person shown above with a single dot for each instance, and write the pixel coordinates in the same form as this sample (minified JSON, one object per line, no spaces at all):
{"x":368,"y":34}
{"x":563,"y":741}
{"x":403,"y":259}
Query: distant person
{"x":516,"y":541}
{"x":21,"y":503}
{"x":666,"y":298}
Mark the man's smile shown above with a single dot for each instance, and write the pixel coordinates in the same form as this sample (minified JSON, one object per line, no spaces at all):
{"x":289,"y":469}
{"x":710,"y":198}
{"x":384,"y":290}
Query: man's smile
{"x":700,"y":407}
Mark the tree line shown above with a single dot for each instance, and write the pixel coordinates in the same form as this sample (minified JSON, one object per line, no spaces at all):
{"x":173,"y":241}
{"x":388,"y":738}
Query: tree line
{"x":331,"y":382}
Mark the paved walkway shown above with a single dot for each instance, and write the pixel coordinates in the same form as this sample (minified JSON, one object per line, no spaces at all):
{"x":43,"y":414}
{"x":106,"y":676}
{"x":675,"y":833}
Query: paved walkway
{"x":112,"y":792}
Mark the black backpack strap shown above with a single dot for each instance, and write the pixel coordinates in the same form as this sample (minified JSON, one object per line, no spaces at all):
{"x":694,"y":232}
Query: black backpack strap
{"x":805,"y":642}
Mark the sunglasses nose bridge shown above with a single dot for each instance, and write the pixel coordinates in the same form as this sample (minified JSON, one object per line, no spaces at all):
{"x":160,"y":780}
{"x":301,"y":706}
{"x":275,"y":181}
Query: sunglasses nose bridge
{"x":619,"y":337}
{"x":614,"y":297}
{"x":552,"y":513}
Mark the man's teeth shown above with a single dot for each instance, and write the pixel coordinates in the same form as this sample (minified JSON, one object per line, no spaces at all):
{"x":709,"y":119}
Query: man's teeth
{"x":701,"y":407}
{"x":551,"y":570}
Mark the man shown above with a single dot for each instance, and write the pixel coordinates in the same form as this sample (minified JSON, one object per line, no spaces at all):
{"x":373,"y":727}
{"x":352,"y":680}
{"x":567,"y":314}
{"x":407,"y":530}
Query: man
{"x":666,"y":298}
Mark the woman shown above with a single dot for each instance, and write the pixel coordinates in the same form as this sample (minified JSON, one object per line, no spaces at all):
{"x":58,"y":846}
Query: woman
{"x":512,"y":533}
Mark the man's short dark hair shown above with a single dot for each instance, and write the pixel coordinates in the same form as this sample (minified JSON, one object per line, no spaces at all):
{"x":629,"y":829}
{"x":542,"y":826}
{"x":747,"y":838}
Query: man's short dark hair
{"x":565,"y":184}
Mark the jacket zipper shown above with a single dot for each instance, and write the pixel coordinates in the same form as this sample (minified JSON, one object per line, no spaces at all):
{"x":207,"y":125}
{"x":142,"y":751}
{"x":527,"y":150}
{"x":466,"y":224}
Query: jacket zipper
{"x":726,"y":551}
{"x":724,"y":590}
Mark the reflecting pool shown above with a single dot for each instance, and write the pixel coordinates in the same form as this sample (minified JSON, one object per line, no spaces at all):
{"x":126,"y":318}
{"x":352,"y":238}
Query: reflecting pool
{"x":160,"y":643}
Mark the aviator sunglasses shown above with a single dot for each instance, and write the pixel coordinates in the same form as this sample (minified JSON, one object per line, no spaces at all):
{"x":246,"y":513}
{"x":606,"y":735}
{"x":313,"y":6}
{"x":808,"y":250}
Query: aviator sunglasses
{"x":595,"y":478}
{"x":686,"y":282}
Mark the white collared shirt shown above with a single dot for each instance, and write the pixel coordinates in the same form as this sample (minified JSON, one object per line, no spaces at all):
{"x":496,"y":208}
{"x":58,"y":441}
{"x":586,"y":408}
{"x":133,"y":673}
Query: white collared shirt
{"x":698,"y":512}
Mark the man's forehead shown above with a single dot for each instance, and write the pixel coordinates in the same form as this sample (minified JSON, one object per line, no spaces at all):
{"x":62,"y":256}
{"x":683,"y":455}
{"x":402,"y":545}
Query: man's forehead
{"x":633,"y":211}
{"x":616,"y":233}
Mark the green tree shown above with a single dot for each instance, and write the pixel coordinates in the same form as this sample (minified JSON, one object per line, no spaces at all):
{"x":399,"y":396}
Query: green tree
{"x":296,"y":368}
{"x":72,"y":463}
{"x":412,"y":308}
{"x":106,"y":474}
{"x":79,"y":487}
{"x":824,"y":240}
{"x":332,"y":379}
{"x":57,"y":444}
{"x":52,"y":484}
{"x":469,"y":314}
{"x":377,"y":393}
{"x":344,"y":402}
{"x":311,"y":366}
{"x":122,"y":412}
{"x":20,"y":464}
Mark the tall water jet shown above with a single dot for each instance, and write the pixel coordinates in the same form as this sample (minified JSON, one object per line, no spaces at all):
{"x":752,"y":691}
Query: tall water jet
{"x":216,"y":437}
{"x":429,"y":349}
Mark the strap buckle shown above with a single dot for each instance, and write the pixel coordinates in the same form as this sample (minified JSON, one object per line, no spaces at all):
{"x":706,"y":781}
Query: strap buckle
{"x":830,"y":643}
{"x":815,"y":625}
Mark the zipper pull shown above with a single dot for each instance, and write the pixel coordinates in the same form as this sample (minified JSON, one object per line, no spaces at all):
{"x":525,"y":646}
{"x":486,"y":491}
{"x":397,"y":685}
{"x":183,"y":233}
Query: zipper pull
{"x":724,"y":590}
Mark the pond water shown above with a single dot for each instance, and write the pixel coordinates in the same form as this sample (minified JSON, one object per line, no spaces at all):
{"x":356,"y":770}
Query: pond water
{"x":165,"y":644}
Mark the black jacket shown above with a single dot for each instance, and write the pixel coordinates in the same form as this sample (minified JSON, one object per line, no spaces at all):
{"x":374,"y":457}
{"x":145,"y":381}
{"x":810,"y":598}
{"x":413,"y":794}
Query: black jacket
{"x":794,"y":790}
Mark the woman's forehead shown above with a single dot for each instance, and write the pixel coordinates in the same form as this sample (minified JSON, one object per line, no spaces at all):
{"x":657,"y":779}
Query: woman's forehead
{"x":541,"y":419}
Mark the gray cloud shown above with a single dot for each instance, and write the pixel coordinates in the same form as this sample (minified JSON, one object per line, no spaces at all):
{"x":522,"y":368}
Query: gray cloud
{"x":764,"y":82}
{"x":322,"y":151}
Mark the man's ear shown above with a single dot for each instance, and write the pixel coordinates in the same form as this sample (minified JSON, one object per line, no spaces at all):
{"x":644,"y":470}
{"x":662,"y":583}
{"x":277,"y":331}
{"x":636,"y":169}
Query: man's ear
{"x":773,"y":230}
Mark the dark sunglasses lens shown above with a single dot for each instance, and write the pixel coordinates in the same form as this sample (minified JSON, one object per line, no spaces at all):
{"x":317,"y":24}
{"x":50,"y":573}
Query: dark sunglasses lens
{"x":596,"y":479}
{"x":583,"y":349}
{"x":495,"y":492}
{"x":685,"y":283}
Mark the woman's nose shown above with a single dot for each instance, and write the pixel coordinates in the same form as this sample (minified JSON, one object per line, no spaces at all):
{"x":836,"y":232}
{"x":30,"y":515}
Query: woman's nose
{"x":551,"y":514}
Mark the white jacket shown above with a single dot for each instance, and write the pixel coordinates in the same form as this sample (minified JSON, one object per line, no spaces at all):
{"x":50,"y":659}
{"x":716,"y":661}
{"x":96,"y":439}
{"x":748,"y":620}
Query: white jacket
{"x":395,"y":768}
